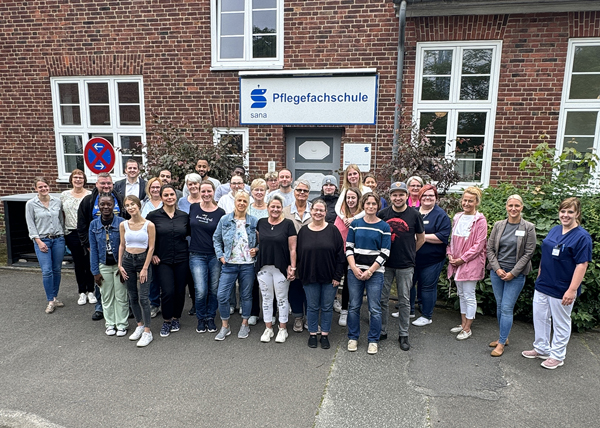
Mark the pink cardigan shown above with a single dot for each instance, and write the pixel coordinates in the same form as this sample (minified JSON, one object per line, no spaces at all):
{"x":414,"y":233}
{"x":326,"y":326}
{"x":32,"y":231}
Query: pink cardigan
{"x":472,"y":249}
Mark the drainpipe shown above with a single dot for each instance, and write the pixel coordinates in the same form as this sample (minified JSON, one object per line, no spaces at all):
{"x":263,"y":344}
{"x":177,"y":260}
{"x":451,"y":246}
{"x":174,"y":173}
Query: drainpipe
{"x":399,"y":74}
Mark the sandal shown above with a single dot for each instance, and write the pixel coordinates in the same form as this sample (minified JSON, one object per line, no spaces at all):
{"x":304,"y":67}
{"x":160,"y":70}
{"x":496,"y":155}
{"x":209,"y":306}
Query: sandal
{"x":498,"y":351}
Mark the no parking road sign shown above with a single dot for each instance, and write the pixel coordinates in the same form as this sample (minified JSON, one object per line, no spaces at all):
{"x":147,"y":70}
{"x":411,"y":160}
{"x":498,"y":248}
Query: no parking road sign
{"x":99,"y":155}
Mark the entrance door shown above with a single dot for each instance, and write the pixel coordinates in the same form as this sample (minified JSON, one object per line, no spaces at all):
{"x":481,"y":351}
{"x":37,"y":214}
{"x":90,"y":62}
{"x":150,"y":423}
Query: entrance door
{"x":313,"y":154}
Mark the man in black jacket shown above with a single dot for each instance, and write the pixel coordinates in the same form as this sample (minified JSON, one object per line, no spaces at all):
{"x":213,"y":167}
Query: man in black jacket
{"x":133,"y":184}
{"x":88,"y":211}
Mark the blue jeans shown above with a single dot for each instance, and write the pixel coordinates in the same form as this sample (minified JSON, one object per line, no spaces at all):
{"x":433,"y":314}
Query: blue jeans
{"x":51,"y":264}
{"x":506,"y":293}
{"x":206,"y":269}
{"x":356,"y":289}
{"x":230,"y":272}
{"x":428,"y":278}
{"x":319,"y":296}
{"x":154,"y":295}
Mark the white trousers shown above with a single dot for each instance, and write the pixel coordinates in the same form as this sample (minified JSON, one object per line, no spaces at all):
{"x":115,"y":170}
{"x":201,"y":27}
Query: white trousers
{"x":272,"y":283}
{"x":466,"y":295}
{"x":550,"y":312}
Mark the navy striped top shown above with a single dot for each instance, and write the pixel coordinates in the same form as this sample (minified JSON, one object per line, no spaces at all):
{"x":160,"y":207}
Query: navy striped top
{"x":369,"y":243}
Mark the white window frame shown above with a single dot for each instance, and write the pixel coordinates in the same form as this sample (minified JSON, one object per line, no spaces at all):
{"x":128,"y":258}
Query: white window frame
{"x":454,"y":105}
{"x":85,"y":128}
{"x":244,"y":132}
{"x":578,"y":105}
{"x":246,"y":63}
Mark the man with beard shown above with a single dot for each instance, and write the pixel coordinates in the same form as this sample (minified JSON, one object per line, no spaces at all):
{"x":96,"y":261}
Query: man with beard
{"x":408,"y":235}
{"x":202,"y":168}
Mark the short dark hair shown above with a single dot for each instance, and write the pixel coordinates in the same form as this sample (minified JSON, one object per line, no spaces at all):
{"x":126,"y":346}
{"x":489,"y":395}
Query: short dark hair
{"x":132,"y":160}
{"x":77,"y":172}
{"x":367,"y":195}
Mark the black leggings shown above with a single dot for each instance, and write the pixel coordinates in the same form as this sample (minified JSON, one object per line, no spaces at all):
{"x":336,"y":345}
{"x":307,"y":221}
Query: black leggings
{"x":171,"y":279}
{"x":81,"y":261}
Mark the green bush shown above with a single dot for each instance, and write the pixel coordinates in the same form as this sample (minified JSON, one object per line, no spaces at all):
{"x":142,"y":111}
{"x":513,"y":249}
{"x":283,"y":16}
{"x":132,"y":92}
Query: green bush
{"x":550,"y":178}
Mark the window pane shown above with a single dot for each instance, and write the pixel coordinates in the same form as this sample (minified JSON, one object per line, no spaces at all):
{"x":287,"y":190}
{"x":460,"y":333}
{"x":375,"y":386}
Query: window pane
{"x":469,"y":148}
{"x":100,"y":115}
{"x":437,"y":62}
{"x":264,"y":22}
{"x":73,"y":162}
{"x":469,"y":170}
{"x":586,"y":59}
{"x":471,"y":123}
{"x":264,"y":46}
{"x":98,"y":93}
{"x":477,"y":61}
{"x":129,"y":115}
{"x":70,"y":115}
{"x":581,"y":123}
{"x":108,"y":138}
{"x":581,"y":144}
{"x":474,"y":87}
{"x":585,"y":87}
{"x":68,"y":93}
{"x":435,"y":124}
{"x":232,"y":24}
{"x":264,"y":4}
{"x":129,"y":92}
{"x":72,"y":144}
{"x":131,"y":145}
{"x":436,"y":88}
{"x":232,"y":47}
{"x":227,"y":5}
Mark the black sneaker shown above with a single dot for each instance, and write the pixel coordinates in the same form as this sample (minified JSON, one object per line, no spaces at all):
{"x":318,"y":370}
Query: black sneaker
{"x":165,"y":330}
{"x":175,"y":326}
{"x":201,"y":326}
{"x":383,"y":336}
{"x":312,"y":341}
{"x":325,"y":342}
{"x":210,"y":325}
{"x":192,"y":311}
{"x":404,"y":345}
{"x":97,"y":316}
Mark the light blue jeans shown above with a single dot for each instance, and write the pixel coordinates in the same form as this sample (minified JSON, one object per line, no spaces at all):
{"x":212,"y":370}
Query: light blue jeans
{"x":356,"y":289}
{"x":51,"y":264}
{"x":230,"y":272}
{"x":506,"y":293}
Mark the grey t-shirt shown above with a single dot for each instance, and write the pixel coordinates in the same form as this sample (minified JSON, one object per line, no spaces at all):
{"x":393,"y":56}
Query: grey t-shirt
{"x":507,"y":250}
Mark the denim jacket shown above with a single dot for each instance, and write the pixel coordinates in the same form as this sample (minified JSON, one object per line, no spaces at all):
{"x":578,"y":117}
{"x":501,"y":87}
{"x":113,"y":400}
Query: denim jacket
{"x":98,"y":242}
{"x":223,"y":237}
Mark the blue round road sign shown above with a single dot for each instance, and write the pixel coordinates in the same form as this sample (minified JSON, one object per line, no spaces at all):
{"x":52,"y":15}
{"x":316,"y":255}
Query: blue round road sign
{"x":99,"y":155}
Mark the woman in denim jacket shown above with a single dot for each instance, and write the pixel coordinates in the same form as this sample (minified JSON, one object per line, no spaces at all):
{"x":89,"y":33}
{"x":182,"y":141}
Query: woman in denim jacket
{"x":236,"y":247}
{"x":104,"y":248}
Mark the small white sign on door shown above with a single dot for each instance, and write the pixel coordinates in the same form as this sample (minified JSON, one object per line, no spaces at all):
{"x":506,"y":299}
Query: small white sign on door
{"x":359,"y":154}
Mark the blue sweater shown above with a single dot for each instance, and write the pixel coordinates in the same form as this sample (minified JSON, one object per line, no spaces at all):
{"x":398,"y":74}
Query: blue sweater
{"x":437,"y":222}
{"x":369,"y":243}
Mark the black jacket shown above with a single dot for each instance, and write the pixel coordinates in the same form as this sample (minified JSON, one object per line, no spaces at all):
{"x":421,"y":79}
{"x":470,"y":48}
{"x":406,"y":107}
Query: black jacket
{"x":330,"y":200}
{"x":85,"y":216}
{"x":120,"y":187}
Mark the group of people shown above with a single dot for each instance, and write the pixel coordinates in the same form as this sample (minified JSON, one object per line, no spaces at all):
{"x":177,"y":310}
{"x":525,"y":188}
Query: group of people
{"x":136,"y":245}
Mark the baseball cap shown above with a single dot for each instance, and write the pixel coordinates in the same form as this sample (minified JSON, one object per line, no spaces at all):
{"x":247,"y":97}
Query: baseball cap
{"x":398,"y":185}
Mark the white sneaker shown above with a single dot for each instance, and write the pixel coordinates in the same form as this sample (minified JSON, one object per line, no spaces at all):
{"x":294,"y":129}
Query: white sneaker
{"x":421,"y":321}
{"x":463,"y":335}
{"x":343,"y":318}
{"x":456,"y":329}
{"x":372,"y":348}
{"x":121,"y":332}
{"x":352,"y":345}
{"x":137,"y":333}
{"x":91,"y":298}
{"x":267,"y":335}
{"x":337,"y":306}
{"x":110,"y":331}
{"x":145,"y":340}
{"x":282,"y":334}
{"x":253,"y":320}
{"x":396,"y":314}
{"x":82,"y":299}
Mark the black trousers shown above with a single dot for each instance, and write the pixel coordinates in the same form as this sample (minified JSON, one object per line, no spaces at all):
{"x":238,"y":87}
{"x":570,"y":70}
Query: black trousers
{"x":171,"y":279}
{"x":81,"y":261}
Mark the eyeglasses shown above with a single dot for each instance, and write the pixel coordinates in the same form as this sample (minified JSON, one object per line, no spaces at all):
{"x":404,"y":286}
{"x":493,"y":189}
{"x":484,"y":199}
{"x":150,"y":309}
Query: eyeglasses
{"x":302,"y":190}
{"x":415,"y":185}
{"x":428,"y":196}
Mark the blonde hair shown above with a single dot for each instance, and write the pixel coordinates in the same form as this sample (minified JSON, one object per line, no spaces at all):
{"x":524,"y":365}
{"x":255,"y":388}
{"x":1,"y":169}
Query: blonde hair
{"x":149,"y":183}
{"x":259,"y":182}
{"x":279,"y":199}
{"x":347,"y":184}
{"x":515,"y":196}
{"x":475,"y":191}
{"x":572,"y":203}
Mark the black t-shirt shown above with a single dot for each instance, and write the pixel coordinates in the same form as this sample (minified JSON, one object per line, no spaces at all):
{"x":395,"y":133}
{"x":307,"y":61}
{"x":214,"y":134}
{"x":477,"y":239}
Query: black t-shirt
{"x":203,"y":225}
{"x":170,"y":245}
{"x":320,"y":255}
{"x":405,"y":225}
{"x":274,"y":247}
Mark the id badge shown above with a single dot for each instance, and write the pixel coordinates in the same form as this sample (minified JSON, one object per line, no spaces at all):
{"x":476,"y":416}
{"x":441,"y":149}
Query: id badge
{"x":425,"y":221}
{"x":520,"y":233}
{"x":556,"y":251}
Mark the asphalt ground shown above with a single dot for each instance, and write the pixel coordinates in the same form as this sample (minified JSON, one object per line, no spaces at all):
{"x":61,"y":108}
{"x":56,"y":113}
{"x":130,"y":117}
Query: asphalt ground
{"x":61,"y":370}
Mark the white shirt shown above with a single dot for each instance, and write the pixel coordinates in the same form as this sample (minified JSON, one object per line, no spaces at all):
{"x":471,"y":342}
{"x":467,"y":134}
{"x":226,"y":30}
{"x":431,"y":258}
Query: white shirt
{"x":132,"y":188}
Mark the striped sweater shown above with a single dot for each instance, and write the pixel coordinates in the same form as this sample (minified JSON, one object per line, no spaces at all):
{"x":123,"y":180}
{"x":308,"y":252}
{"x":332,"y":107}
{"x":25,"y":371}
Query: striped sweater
{"x":369,"y":243}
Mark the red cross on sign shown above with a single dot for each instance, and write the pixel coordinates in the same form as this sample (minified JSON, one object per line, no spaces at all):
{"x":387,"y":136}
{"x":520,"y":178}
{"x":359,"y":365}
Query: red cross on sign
{"x":99,"y":155}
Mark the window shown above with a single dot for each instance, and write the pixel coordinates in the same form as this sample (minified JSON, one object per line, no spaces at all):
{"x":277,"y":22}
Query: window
{"x":240,"y":138}
{"x":456,"y":87}
{"x":579,"y":122}
{"x":247,"y":34}
{"x":87,"y":107}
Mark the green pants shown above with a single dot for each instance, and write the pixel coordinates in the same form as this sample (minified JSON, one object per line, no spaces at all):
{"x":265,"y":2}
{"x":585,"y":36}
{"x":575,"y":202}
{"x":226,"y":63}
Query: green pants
{"x":114,"y":298}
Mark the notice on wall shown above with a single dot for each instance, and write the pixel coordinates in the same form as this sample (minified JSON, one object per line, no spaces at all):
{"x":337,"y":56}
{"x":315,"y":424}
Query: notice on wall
{"x":359,"y":154}
{"x":308,"y":100}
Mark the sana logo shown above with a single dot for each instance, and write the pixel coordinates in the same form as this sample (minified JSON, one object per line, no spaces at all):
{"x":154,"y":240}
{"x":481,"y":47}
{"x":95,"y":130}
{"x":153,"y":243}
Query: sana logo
{"x":257,"y":95}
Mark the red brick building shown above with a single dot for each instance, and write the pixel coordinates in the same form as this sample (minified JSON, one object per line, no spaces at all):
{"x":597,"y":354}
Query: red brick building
{"x":498,"y":73}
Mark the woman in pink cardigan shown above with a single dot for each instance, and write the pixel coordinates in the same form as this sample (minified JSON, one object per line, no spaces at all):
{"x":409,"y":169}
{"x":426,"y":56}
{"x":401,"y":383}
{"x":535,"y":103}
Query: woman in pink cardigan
{"x":466,"y":256}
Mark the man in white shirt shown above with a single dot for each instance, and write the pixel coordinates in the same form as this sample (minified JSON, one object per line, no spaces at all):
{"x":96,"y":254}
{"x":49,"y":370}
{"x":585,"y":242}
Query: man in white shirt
{"x":285,"y":188}
{"x":202,"y":168}
{"x":227,"y":201}
{"x":224,"y":188}
{"x":133,"y":184}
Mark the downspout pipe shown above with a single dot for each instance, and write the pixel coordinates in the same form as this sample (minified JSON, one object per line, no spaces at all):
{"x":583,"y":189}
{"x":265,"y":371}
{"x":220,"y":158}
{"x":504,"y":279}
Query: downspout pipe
{"x":399,"y":76}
